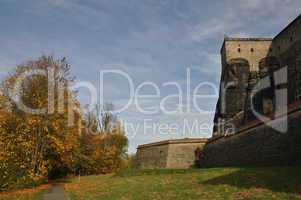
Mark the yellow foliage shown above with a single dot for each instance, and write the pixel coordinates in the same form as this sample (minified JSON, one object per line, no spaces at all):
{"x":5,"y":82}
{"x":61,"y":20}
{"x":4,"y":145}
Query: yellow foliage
{"x":37,"y":146}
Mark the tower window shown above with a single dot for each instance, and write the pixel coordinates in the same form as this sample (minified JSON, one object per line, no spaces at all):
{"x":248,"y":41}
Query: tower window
{"x":252,"y":50}
{"x":239,"y":50}
{"x":291,"y":39}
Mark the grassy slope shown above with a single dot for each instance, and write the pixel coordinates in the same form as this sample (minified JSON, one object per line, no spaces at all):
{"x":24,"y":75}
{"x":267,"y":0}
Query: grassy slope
{"x":218,"y":183}
{"x":25,"y":194}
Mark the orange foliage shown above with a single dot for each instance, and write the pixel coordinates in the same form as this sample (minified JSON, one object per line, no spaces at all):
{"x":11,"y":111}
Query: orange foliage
{"x":34,"y":147}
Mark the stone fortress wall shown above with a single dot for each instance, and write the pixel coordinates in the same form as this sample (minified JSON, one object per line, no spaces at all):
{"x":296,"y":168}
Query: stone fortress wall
{"x":259,"y":146}
{"x":251,"y":49}
{"x":240,"y":60}
{"x":152,"y":156}
{"x":180,"y":153}
{"x":245,"y":62}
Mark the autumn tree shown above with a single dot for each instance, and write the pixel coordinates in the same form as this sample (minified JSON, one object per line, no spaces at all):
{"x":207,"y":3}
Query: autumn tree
{"x":104,"y":144}
{"x":37,"y":137}
{"x":44,"y":135}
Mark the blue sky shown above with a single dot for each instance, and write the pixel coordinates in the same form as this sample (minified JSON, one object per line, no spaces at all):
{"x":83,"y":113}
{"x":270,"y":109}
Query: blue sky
{"x":151,"y":40}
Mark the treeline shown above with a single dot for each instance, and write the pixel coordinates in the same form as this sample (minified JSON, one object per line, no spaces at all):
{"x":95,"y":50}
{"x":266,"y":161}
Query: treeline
{"x":43,"y":134}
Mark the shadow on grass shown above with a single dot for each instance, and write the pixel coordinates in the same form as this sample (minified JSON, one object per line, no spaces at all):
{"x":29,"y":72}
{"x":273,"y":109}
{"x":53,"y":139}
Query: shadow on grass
{"x":150,"y":172}
{"x":277,"y":179}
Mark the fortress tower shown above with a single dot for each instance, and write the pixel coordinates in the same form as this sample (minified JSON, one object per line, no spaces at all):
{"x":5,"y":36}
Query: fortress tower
{"x":245,"y":61}
{"x":262,"y":76}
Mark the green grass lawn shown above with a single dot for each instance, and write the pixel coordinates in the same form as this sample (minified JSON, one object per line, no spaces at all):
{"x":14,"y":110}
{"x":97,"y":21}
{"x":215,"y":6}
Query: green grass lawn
{"x":216,"y":183}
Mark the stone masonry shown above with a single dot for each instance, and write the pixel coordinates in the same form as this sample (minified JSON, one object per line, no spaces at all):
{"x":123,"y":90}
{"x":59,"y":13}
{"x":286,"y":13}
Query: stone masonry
{"x":180,"y":153}
{"x":246,"y":62}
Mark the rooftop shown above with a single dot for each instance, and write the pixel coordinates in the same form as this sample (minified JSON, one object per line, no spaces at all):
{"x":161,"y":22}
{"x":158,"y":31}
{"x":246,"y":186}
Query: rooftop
{"x":248,"y":39}
{"x":298,"y":18}
{"x":174,"y":141}
{"x":289,"y":25}
{"x":261,"y":39}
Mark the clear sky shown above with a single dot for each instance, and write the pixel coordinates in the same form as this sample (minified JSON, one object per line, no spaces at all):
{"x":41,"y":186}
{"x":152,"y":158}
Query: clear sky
{"x":150,"y":40}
